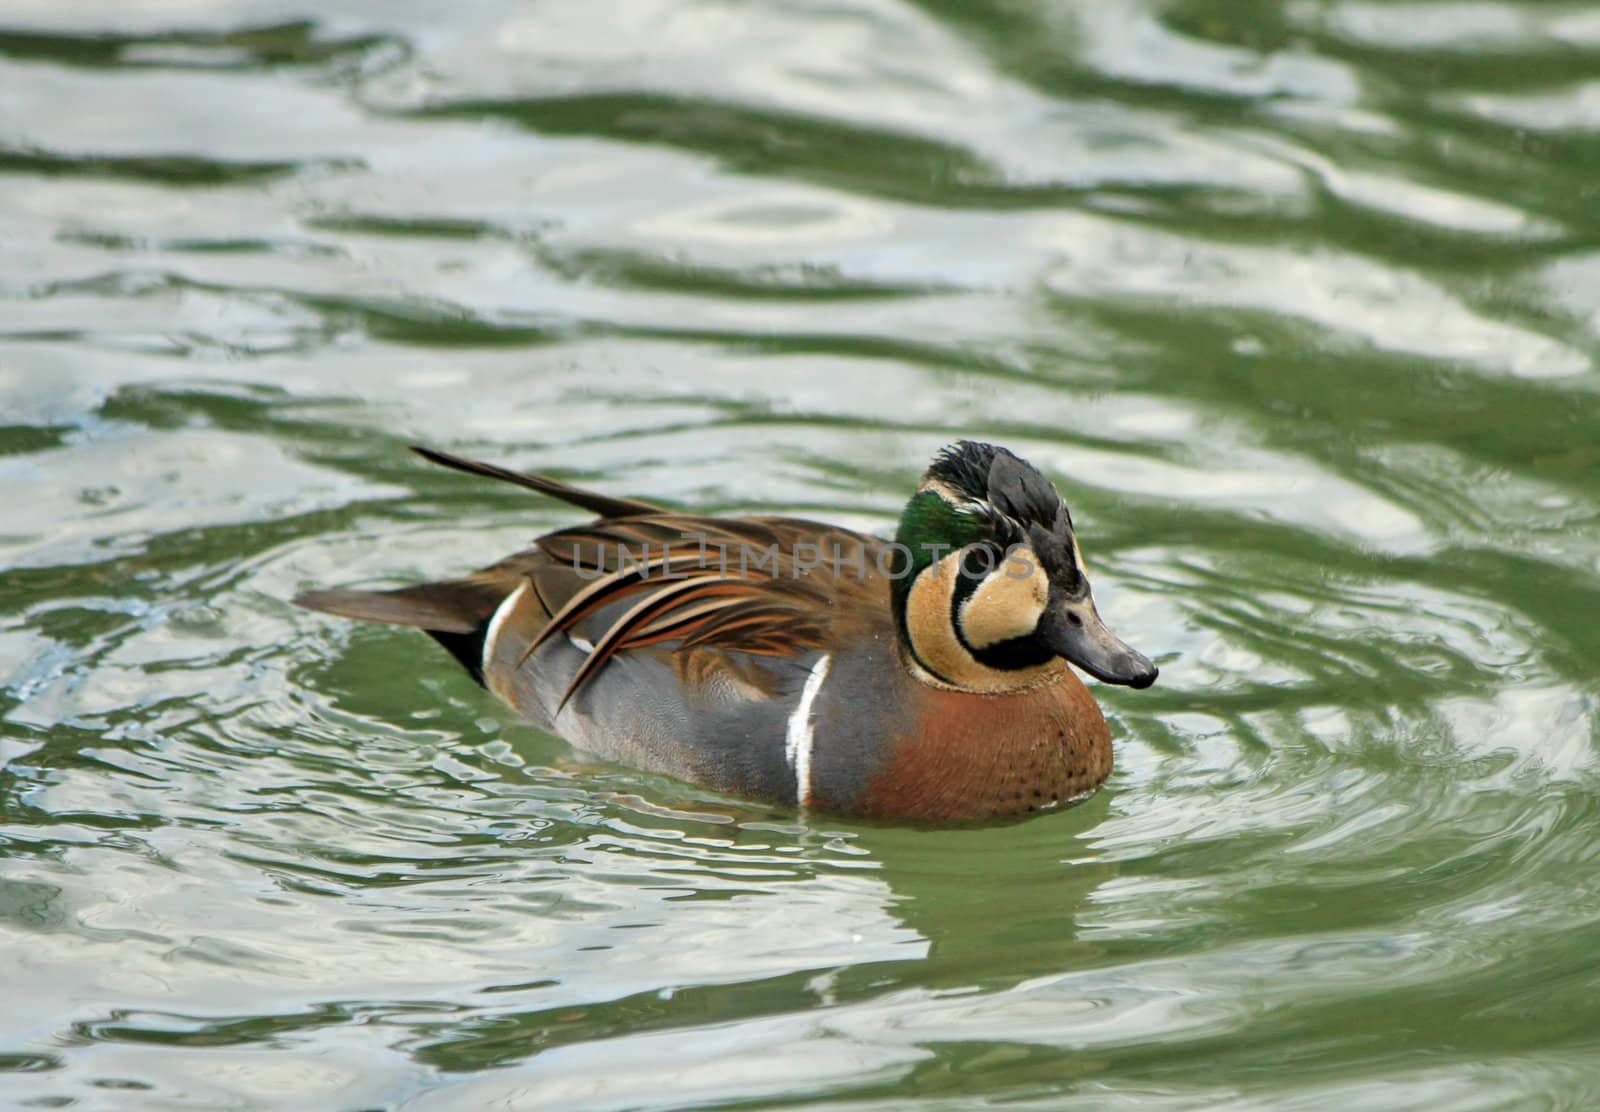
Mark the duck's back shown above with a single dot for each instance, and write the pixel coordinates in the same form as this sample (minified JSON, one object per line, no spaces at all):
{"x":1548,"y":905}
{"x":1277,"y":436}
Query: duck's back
{"x":679,"y":644}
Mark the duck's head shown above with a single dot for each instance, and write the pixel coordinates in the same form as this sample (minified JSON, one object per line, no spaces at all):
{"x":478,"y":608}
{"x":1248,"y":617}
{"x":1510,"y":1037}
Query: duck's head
{"x":989,"y":587}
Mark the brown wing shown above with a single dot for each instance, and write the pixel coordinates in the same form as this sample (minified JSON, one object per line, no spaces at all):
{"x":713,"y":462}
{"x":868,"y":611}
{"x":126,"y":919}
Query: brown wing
{"x":771,"y":587}
{"x":645,"y":576}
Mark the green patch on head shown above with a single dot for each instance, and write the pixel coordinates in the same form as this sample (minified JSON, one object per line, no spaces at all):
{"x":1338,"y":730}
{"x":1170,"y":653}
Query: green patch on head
{"x":930,"y":529}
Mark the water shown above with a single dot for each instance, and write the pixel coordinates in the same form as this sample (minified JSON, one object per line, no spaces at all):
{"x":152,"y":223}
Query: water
{"x":1300,"y":303}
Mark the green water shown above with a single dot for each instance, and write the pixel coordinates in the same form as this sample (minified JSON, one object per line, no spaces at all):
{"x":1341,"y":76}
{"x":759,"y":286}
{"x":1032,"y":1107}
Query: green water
{"x":1299,"y":302}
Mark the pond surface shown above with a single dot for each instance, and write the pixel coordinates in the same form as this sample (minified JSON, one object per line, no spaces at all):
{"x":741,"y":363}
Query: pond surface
{"x":1299,"y":303}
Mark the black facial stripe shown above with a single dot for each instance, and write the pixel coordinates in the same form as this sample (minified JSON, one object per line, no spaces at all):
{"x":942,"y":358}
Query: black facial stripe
{"x":977,"y":563}
{"x":1060,"y":561}
{"x":1014,"y":654}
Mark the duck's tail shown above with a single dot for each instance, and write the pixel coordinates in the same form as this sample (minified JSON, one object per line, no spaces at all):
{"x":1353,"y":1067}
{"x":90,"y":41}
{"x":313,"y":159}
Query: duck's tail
{"x":601,"y":505}
{"x":454,"y":612}
{"x":457,"y":612}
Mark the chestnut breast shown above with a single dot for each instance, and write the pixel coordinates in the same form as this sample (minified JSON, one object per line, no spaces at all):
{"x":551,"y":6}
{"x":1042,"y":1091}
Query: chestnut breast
{"x":957,"y":755}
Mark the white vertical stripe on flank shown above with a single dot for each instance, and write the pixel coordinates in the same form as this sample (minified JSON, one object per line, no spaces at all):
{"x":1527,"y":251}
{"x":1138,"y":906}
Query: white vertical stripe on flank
{"x":802,"y":734}
{"x":500,"y":612}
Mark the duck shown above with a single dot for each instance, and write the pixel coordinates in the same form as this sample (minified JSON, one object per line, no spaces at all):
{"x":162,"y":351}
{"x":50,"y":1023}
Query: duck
{"x":925,"y":678}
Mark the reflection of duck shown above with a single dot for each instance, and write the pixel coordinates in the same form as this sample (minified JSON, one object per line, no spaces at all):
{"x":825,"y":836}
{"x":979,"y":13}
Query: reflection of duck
{"x":799,"y":662}
{"x":935,"y":963}
{"x":984,"y":926}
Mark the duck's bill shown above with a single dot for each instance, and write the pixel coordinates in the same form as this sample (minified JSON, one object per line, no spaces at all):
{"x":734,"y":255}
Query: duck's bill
{"x":1075,"y":632}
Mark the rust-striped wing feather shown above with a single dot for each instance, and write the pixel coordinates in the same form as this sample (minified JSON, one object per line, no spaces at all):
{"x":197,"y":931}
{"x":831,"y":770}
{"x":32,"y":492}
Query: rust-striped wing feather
{"x":642,"y":576}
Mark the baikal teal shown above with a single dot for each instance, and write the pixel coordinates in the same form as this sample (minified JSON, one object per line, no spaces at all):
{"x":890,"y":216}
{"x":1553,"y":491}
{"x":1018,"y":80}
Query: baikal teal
{"x":1297,"y":300}
{"x":939,"y":690}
